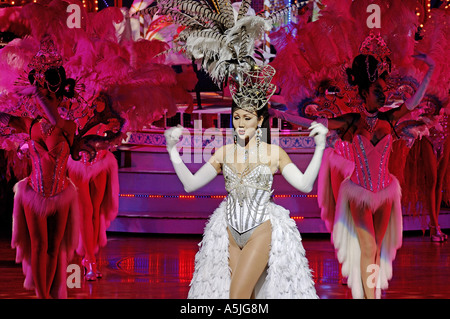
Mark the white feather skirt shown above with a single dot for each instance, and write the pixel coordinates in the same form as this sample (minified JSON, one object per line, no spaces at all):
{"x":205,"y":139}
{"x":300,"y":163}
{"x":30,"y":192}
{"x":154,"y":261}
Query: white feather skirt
{"x":346,"y":241}
{"x":287,"y":275}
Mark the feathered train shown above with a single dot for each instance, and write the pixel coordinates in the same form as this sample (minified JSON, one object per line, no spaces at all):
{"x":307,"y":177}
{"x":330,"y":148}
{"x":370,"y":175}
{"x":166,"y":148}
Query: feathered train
{"x":287,"y":276}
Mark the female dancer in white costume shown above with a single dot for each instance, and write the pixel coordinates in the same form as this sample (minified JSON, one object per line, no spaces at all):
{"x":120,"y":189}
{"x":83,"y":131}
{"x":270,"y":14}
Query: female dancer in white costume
{"x":248,"y":232}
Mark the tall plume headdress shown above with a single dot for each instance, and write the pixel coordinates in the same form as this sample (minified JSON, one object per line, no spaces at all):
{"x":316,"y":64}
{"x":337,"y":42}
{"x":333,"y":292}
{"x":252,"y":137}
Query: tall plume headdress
{"x":225,"y":42}
{"x":47,"y":71}
{"x":46,"y":59}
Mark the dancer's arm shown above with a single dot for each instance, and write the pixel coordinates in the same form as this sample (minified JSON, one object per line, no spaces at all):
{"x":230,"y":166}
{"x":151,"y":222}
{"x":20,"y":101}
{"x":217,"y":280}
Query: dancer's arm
{"x":191,"y":182}
{"x":4,"y":119}
{"x":411,"y":103}
{"x":304,"y":182}
{"x":299,"y":120}
{"x":337,"y":123}
{"x":20,"y":124}
{"x":48,"y":103}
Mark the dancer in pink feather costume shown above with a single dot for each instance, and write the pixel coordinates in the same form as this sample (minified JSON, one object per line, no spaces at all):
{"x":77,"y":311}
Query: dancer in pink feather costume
{"x":367,"y":225}
{"x":128,"y":74}
{"x":98,"y":195}
{"x":97,"y":182}
{"x":319,"y":52}
{"x":45,"y":210}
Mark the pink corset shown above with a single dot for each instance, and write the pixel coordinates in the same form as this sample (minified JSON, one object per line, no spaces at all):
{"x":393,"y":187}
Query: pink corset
{"x":49,"y":168}
{"x":371,"y":163}
{"x":344,"y":149}
{"x":99,"y":156}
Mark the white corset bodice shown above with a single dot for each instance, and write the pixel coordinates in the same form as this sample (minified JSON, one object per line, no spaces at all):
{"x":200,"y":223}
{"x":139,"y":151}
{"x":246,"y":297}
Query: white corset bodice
{"x":249,"y":193}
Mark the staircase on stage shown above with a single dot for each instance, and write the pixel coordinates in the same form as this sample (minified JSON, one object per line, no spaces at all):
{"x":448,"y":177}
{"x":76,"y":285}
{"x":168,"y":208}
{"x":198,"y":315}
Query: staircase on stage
{"x":152,"y":199}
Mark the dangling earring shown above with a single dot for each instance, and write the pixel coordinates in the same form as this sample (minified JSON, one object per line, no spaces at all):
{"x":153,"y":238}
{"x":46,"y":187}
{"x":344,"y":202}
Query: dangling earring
{"x":235,"y":139}
{"x":258,"y":135}
{"x":54,"y":87}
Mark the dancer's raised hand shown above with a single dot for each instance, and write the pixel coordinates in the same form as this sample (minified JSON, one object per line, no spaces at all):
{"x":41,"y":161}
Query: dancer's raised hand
{"x":319,"y":132}
{"x":172,"y":136}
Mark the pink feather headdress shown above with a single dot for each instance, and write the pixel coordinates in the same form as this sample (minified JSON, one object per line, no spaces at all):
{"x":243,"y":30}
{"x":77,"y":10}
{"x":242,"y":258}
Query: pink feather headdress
{"x":374,"y":45}
{"x":46,"y":58}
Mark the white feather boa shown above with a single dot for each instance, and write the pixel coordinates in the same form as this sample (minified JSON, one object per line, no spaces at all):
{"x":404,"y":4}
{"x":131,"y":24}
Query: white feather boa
{"x":346,"y":241}
{"x":287,"y":275}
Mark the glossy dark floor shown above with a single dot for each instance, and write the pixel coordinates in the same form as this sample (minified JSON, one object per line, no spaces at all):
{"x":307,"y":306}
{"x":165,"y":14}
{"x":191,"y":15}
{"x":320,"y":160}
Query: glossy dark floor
{"x":156,"y":266}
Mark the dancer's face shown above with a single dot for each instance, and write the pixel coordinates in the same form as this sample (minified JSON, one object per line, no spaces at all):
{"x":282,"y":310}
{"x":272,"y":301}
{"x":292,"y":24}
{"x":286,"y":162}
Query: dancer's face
{"x":375,"y":96}
{"x":245,"y":123}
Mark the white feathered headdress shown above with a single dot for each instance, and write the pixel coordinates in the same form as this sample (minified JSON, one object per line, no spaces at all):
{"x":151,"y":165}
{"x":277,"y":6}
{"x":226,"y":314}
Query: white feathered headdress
{"x":225,"y":42}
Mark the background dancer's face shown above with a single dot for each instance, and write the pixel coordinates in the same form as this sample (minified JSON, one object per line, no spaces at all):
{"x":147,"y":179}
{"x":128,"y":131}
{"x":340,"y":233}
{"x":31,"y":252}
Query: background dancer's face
{"x":245,"y":123}
{"x":375,"y":96}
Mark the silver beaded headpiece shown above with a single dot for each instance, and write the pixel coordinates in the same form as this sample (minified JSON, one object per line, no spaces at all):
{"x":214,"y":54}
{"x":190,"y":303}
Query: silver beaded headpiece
{"x":252,"y":89}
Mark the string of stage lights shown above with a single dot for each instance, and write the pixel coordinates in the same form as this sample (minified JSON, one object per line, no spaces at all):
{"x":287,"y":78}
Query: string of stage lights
{"x":209,"y":196}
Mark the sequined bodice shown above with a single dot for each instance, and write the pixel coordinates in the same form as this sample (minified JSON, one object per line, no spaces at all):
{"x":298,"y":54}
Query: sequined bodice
{"x":49,"y":168}
{"x":344,"y":149}
{"x":371,"y":162}
{"x":99,"y":156}
{"x":437,"y":137}
{"x":249,"y":192}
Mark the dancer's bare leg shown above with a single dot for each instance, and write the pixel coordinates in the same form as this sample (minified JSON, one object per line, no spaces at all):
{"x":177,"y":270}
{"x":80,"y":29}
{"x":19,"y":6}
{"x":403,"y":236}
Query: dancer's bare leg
{"x":363,"y":220}
{"x":97,"y":187}
{"x":234,"y":252}
{"x":442,"y":170}
{"x":250,"y":263}
{"x":381,"y":219}
{"x":429,"y":170}
{"x":56,"y":225}
{"x":37,"y":226}
{"x":86,"y":212}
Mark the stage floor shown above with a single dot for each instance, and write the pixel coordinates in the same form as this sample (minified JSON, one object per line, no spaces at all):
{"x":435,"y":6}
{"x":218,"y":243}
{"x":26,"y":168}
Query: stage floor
{"x":161,"y":266}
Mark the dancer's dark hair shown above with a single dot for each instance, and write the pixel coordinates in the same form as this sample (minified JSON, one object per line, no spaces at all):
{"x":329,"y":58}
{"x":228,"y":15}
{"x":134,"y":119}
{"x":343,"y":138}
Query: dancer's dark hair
{"x":362,"y":67}
{"x":56,"y":81}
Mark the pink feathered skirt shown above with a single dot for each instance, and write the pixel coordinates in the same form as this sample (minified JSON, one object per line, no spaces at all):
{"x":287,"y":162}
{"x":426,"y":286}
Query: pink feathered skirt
{"x":333,"y":166}
{"x":345,"y":238}
{"x":110,"y":204}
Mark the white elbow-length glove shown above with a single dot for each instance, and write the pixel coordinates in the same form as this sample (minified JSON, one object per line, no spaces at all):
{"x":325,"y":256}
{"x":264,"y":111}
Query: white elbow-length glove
{"x":191,"y":182}
{"x":304,"y":182}
{"x":414,"y":100}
